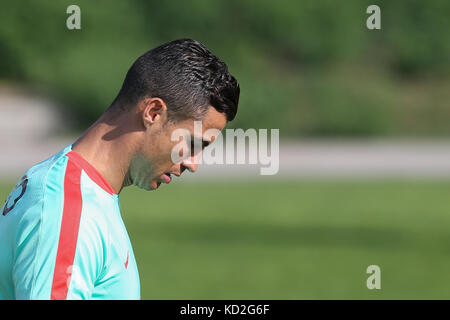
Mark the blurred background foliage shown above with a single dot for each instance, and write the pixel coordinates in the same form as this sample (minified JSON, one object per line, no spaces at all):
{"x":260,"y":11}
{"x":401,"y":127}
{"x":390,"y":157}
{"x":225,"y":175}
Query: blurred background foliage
{"x":310,"y":68}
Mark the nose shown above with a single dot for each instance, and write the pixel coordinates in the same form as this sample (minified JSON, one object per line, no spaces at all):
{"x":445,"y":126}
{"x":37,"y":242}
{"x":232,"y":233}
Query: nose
{"x":190,"y":163}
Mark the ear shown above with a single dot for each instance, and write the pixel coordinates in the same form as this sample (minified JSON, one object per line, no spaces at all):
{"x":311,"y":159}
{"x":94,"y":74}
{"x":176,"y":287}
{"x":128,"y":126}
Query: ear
{"x":153,"y":110}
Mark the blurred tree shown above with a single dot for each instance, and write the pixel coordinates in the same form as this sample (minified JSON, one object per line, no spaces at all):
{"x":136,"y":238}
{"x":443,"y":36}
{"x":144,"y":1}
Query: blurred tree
{"x":308,"y":67}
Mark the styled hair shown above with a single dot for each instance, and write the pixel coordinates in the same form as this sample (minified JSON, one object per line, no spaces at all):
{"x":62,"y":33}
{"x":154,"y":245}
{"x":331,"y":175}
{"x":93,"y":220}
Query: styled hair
{"x":187,"y":76}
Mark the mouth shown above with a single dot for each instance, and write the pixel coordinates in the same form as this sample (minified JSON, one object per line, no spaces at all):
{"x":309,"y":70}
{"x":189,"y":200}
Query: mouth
{"x":166,"y":177}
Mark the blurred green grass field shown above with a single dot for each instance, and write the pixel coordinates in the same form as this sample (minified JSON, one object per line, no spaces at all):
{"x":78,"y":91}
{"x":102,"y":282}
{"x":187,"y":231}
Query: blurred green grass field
{"x":290,"y":239}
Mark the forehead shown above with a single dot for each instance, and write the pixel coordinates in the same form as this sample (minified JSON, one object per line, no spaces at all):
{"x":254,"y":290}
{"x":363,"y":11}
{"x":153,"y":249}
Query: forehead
{"x":213,"y":119}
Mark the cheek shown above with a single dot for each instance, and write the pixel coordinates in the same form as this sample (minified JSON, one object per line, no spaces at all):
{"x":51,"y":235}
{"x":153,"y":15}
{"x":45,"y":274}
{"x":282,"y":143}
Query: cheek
{"x":159,"y":152}
{"x":174,"y":153}
{"x":163,"y":161}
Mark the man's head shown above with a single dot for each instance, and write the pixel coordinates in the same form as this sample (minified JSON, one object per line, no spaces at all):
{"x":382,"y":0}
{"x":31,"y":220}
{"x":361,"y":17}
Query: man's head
{"x":168,"y":88}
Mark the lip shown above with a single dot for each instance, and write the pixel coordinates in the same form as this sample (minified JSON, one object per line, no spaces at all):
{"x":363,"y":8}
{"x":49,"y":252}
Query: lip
{"x":166,"y":178}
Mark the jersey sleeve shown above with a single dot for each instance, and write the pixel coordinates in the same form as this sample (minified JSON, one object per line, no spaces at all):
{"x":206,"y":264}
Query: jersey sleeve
{"x":24,"y":269}
{"x":59,"y":247}
{"x":89,"y":260}
{"x":36,"y":275}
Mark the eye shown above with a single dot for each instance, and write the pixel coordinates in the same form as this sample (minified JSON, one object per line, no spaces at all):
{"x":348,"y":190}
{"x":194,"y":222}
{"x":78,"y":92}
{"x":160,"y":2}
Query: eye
{"x":204,"y":145}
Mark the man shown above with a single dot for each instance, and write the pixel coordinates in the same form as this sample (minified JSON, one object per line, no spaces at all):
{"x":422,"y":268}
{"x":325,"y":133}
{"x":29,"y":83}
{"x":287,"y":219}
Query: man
{"x":61,"y":232}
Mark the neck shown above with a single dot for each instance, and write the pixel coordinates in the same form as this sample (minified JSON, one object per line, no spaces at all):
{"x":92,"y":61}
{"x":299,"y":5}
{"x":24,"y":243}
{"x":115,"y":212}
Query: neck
{"x":109,"y":145}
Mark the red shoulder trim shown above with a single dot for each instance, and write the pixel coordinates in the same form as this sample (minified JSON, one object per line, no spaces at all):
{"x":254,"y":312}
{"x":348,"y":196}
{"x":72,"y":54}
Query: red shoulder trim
{"x":68,"y":234}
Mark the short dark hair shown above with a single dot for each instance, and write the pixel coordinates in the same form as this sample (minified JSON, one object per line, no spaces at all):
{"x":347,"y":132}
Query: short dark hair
{"x":186,"y":75}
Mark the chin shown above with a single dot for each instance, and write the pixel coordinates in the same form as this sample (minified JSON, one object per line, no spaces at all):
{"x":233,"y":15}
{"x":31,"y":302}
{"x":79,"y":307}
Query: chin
{"x":148,"y":186}
{"x":153,"y":185}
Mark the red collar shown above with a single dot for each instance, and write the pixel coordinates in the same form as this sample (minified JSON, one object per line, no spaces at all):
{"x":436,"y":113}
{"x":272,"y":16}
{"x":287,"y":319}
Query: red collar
{"x":90,"y":171}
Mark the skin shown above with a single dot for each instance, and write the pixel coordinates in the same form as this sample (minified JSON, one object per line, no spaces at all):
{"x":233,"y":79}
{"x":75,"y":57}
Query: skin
{"x":134,"y":147}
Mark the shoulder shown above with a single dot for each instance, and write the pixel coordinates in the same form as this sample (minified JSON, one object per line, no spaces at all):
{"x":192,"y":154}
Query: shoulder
{"x":29,"y":192}
{"x":36,"y":194}
{"x":54,"y":189}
